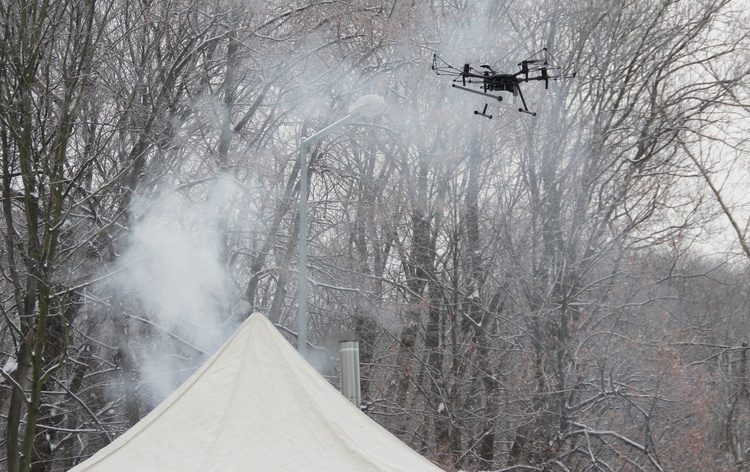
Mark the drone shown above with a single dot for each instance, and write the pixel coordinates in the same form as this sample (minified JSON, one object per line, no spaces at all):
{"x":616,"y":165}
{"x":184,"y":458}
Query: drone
{"x":538,"y":67}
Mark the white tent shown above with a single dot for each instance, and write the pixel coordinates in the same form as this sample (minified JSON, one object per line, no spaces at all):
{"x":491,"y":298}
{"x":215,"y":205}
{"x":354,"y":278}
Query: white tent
{"x":256,"y":405}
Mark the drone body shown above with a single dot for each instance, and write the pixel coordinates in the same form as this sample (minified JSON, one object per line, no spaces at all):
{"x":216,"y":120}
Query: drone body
{"x":539,"y":67}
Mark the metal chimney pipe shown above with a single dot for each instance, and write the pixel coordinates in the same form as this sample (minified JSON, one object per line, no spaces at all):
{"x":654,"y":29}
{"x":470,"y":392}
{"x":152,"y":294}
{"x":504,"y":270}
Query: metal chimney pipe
{"x":350,"y":388}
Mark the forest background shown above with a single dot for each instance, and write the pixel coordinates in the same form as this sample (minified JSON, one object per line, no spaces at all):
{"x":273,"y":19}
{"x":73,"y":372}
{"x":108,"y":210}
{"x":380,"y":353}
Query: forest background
{"x":561,"y":292}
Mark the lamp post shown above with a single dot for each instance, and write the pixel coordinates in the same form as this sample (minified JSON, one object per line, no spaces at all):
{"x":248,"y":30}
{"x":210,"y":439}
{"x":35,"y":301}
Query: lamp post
{"x":366,"y":107}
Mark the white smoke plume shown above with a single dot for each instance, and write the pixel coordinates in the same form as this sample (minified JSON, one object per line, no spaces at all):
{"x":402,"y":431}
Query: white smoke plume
{"x":174,"y":266}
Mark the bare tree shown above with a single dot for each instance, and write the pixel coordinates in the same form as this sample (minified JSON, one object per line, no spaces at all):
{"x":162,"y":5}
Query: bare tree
{"x":44,"y":84}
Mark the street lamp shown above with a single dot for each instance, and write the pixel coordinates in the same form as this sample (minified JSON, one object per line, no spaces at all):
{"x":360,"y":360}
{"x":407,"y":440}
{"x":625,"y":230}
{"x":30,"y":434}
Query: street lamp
{"x":366,"y":107}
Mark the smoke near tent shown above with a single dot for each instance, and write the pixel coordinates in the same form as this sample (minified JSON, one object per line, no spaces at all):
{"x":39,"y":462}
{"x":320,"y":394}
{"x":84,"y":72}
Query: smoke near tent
{"x":174,"y":266}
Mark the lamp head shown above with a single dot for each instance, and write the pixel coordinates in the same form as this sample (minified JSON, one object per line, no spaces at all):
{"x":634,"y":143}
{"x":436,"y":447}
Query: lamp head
{"x":368,"y":106}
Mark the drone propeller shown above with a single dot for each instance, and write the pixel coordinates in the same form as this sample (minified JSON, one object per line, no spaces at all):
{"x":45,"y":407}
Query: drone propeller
{"x":488,"y":68}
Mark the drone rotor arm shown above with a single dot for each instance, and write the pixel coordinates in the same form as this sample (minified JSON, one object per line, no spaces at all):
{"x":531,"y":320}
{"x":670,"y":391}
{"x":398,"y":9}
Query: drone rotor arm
{"x":479,"y":92}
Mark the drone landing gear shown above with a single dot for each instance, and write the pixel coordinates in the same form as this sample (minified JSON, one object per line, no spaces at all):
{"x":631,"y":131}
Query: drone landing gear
{"x":483,"y":112}
{"x":525,"y":108}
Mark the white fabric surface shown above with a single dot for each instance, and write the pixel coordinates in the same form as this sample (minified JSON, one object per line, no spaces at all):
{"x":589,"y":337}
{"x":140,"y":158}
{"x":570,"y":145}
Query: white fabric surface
{"x":256,"y":405}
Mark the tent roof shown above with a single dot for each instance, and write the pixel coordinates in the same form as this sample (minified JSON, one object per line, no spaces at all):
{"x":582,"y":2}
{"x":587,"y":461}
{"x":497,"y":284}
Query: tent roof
{"x":256,"y":405}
